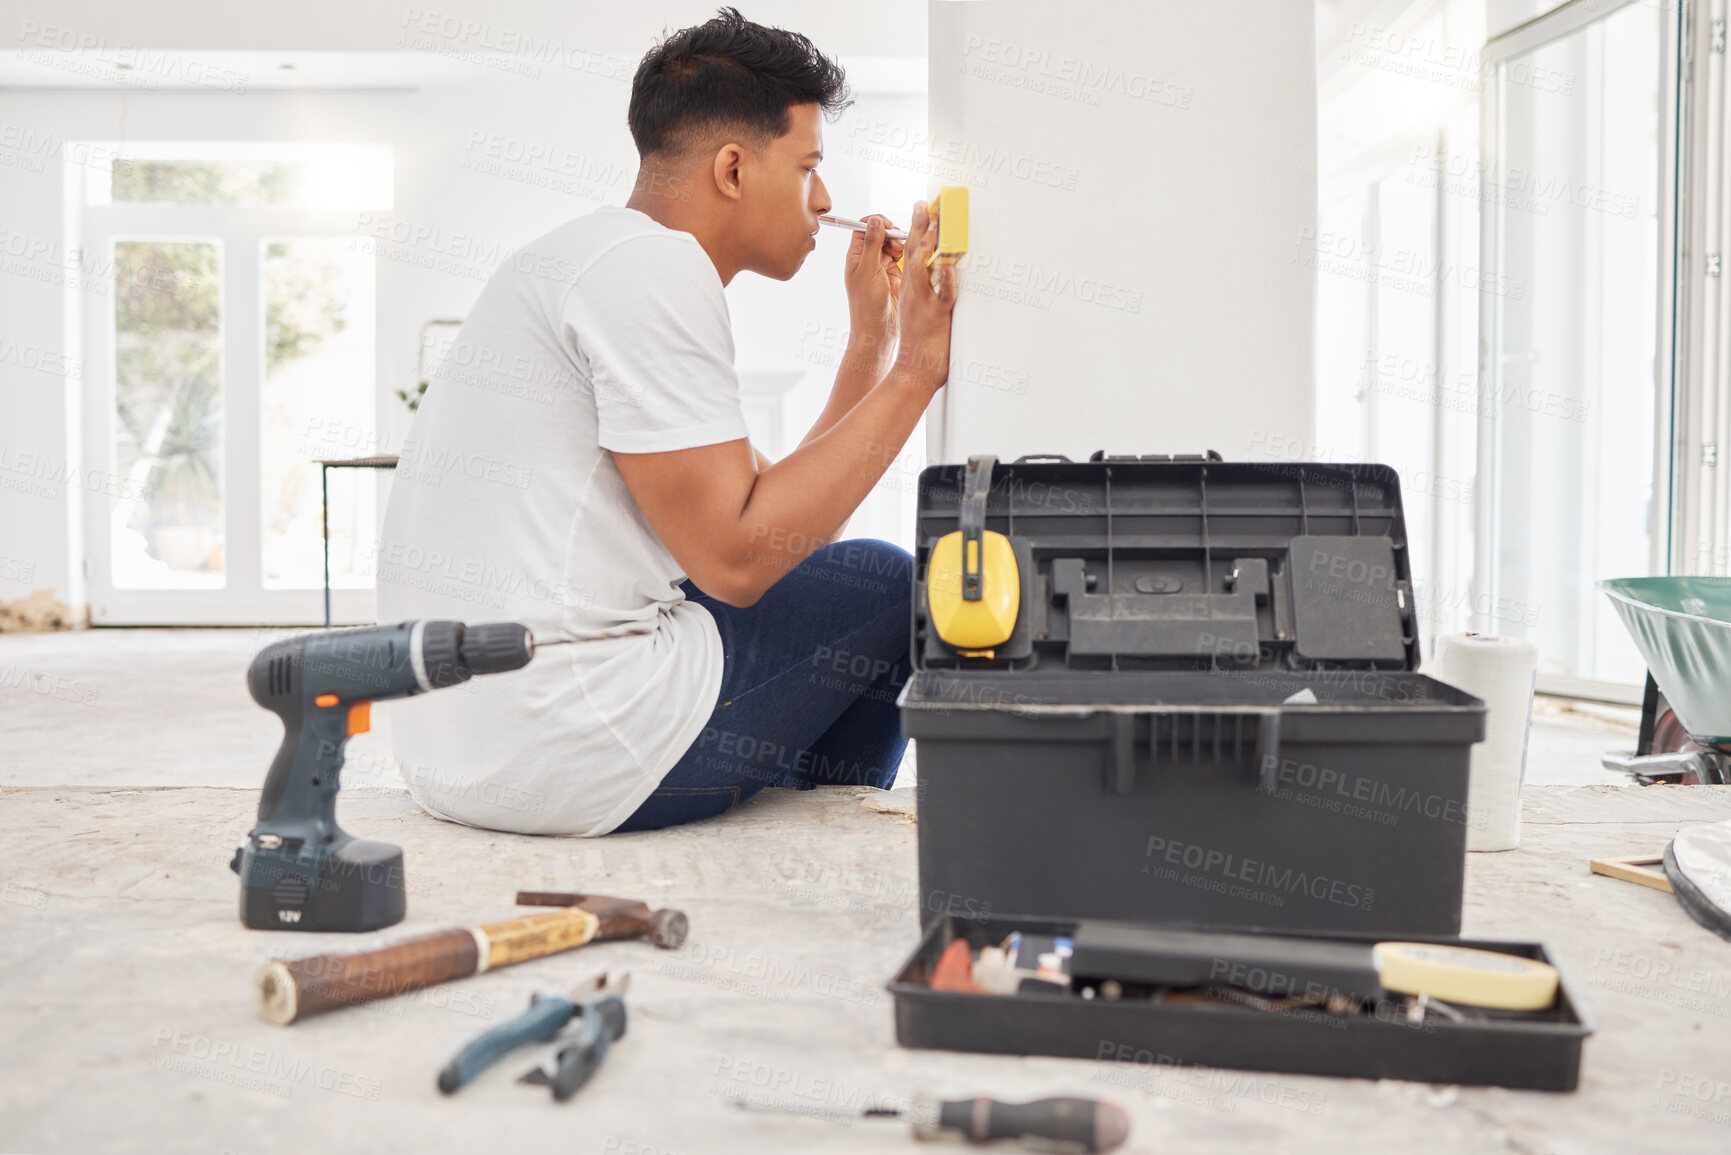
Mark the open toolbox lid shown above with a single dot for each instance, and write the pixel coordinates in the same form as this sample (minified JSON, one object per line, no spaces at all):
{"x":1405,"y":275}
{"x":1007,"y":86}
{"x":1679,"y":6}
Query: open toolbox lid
{"x":1180,"y":563}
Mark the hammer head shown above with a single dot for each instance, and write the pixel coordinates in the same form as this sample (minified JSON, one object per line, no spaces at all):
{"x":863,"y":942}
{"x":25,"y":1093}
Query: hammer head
{"x":620,"y":917}
{"x":668,"y":928}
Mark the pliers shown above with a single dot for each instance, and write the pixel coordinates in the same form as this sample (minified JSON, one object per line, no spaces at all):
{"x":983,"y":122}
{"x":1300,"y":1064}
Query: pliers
{"x":599,"y":1007}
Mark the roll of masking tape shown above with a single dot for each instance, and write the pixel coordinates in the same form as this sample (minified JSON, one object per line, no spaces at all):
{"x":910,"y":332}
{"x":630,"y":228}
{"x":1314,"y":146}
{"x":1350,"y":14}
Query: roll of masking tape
{"x":1458,"y":974}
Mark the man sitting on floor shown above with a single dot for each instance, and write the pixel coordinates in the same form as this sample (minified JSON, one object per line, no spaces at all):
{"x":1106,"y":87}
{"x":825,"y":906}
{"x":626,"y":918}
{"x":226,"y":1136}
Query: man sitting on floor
{"x":609,"y":491}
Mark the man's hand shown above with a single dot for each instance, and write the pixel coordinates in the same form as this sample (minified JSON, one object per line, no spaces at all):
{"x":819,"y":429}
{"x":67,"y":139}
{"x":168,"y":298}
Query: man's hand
{"x":873,"y":283}
{"x":926,"y":312}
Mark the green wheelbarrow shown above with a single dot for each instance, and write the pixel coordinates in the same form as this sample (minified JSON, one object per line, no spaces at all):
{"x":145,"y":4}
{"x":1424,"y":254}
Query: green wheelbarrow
{"x":1682,"y":627}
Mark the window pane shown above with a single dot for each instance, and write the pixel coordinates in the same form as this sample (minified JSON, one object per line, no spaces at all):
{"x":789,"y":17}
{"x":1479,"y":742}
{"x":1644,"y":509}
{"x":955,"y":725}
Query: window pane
{"x":246,"y":183}
{"x":168,"y":415}
{"x":251,"y":176}
{"x":1576,"y":305}
{"x":317,"y":402}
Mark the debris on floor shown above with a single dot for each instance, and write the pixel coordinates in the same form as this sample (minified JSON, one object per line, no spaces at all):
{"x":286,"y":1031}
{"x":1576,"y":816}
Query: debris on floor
{"x":38,"y":613}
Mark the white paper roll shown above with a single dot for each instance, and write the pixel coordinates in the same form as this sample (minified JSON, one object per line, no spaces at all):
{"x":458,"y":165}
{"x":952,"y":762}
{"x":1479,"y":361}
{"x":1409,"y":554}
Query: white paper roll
{"x":1500,"y":671}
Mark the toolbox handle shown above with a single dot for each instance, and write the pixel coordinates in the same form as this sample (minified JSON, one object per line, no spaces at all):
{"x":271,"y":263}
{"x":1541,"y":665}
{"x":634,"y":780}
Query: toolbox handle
{"x":1207,"y":456}
{"x":1121,"y":760}
{"x":1030,"y":458}
{"x":976,"y":484}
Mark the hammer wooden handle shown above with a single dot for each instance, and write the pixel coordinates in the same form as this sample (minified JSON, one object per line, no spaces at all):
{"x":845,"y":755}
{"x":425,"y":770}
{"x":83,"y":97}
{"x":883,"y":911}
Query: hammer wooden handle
{"x":299,"y":988}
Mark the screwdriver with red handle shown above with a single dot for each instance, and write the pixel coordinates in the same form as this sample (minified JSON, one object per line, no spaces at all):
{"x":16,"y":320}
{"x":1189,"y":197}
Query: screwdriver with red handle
{"x":1063,"y":1124}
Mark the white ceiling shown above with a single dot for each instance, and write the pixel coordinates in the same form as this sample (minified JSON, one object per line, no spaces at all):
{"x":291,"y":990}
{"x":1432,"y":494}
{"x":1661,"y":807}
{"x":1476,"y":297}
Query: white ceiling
{"x":137,"y":69}
{"x":868,"y":28}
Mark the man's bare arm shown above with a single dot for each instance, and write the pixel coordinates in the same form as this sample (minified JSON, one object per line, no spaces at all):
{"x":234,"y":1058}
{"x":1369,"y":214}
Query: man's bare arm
{"x":863,"y":363}
{"x":736,"y":530}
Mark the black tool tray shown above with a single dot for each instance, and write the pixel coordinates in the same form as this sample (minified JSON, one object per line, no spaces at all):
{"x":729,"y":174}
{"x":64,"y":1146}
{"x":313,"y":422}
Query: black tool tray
{"x":1216,"y":719}
{"x":1131,"y":1037}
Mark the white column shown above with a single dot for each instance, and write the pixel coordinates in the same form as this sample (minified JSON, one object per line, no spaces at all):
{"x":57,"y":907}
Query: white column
{"x":1143,"y":178}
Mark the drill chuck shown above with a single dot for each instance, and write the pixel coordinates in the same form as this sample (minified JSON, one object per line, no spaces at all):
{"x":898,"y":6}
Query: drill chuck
{"x":494,"y":647}
{"x":451,"y":653}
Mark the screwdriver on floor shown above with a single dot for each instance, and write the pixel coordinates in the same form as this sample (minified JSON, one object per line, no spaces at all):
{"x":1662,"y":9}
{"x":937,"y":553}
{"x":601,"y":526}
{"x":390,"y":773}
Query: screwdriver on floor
{"x":1044,"y":1124}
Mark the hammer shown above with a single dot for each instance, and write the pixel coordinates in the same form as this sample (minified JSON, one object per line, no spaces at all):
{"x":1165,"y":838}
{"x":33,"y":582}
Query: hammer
{"x":287,"y":991}
{"x":620,"y":917}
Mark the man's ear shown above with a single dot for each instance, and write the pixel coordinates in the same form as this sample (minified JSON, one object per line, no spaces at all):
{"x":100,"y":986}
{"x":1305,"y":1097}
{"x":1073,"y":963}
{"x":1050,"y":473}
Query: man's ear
{"x":727,"y":179}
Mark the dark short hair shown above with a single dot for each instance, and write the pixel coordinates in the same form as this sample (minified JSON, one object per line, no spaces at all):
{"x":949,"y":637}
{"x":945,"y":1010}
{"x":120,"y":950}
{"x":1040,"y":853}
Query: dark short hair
{"x":728,"y":74}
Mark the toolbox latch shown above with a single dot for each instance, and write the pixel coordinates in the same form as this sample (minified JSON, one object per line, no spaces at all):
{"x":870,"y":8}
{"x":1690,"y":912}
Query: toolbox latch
{"x":1268,"y":751}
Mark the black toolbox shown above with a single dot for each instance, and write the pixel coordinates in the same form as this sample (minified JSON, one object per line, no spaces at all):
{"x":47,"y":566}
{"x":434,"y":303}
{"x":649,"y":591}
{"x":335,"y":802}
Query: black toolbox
{"x":1207,"y":716}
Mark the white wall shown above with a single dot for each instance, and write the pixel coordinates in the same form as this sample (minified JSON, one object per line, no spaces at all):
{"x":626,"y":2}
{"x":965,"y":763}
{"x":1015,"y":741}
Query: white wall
{"x":1144,"y":177}
{"x":441,"y":116}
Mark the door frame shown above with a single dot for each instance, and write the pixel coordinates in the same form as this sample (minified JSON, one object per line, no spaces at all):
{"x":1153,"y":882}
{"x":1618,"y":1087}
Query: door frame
{"x":241,"y":234}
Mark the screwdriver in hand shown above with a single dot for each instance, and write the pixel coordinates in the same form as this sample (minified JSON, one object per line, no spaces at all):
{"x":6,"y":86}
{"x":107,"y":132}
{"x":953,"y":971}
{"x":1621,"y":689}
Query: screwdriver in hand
{"x":859,"y":226}
{"x":1045,"y":1124}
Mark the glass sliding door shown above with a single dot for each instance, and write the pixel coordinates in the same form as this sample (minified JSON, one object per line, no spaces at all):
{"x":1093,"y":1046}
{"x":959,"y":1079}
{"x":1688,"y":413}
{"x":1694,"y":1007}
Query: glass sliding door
{"x":319,"y":338}
{"x":1571,"y":382}
{"x":167,"y":524}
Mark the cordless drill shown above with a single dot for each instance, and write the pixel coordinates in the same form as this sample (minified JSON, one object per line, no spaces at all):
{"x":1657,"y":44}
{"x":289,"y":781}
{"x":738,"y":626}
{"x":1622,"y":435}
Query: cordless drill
{"x":298,"y":869}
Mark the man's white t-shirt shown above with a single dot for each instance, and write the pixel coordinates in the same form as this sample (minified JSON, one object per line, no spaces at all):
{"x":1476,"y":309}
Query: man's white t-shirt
{"x":609,"y":333}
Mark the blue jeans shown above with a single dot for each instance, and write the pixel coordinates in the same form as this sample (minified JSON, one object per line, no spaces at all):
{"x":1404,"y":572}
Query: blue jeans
{"x":809,"y":681}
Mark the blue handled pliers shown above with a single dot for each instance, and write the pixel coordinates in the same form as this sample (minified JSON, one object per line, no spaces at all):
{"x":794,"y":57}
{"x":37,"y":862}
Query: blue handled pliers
{"x":600,"y":999}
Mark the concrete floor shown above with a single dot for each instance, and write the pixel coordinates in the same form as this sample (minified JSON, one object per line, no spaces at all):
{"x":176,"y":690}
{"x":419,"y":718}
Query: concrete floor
{"x":137,"y":698}
{"x":128,"y":766}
